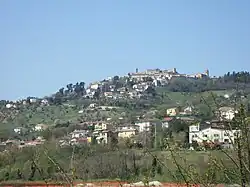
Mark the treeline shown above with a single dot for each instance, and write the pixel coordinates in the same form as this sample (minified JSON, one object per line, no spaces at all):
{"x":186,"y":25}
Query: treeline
{"x":93,"y":163}
{"x":240,"y":80}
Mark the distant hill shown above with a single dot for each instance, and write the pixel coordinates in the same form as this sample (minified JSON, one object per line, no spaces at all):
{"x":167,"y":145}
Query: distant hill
{"x":134,"y":95}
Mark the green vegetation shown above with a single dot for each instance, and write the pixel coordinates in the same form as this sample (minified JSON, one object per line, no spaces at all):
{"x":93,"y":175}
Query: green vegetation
{"x":100,"y":163}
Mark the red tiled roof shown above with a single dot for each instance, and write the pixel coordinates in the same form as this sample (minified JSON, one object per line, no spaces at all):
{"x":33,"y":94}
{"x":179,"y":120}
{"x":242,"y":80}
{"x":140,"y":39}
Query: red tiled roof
{"x":168,"y":118}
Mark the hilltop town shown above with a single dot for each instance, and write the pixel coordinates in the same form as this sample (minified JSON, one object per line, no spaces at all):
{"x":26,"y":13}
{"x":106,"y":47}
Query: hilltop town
{"x":154,"y":110}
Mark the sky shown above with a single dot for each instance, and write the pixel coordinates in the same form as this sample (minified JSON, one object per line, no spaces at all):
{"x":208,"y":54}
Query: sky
{"x":47,"y":44}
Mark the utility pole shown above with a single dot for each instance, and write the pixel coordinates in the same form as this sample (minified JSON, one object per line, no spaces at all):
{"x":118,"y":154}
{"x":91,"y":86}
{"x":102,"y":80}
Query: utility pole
{"x":71,"y":162}
{"x":155,"y":137}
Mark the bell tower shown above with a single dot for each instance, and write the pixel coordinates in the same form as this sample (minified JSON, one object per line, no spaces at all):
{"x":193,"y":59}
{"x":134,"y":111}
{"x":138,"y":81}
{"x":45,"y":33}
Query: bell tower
{"x":207,"y":72}
{"x":174,"y":70}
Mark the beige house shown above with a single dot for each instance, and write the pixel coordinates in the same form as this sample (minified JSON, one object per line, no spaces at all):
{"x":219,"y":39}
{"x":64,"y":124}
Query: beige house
{"x":226,"y":113}
{"x":126,"y":133}
{"x":172,"y":111}
{"x":102,"y":126}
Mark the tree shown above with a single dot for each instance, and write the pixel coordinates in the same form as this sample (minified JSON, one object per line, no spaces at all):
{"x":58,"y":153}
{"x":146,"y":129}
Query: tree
{"x":61,"y":91}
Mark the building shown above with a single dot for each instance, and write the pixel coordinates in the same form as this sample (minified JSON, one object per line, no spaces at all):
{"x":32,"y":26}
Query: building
{"x":100,"y":126}
{"x":79,"y":133}
{"x":102,"y":132}
{"x":226,"y":113}
{"x":95,"y":86}
{"x":211,"y":134}
{"x":127,"y":131}
{"x":144,"y":126}
{"x":104,"y":137}
{"x":172,"y":111}
{"x":40,"y":127}
{"x":18,"y":130}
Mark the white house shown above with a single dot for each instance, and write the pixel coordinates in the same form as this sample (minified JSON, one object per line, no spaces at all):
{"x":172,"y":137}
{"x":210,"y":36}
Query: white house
{"x":144,"y":126}
{"x":44,"y":102}
{"x":80,"y":111}
{"x":9,"y":105}
{"x":40,"y":127}
{"x":188,"y":110}
{"x":94,"y":86}
{"x":18,"y":130}
{"x":206,"y":132}
{"x":32,"y":100}
{"x":78,"y":133}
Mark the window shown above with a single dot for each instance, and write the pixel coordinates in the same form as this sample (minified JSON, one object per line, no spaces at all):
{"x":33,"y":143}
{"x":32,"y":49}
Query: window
{"x":236,"y":134}
{"x":216,"y":135}
{"x":205,"y":135}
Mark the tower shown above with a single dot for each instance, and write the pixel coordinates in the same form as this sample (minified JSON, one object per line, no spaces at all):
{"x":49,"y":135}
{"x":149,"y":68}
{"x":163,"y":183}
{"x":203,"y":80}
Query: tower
{"x":136,"y":70}
{"x":207,"y":72}
{"x":174,"y":70}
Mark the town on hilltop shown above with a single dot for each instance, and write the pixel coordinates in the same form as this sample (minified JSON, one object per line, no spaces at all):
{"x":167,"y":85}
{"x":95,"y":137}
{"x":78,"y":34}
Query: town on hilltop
{"x":151,"y":110}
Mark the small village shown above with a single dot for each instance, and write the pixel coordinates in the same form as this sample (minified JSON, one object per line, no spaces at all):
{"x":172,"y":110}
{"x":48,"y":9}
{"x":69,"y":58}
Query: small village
{"x":131,"y":118}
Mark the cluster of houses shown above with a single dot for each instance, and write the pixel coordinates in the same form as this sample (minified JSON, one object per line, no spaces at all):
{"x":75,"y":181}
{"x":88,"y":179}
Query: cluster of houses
{"x":212,"y":131}
{"x":31,"y":100}
{"x":216,"y":132}
{"x":141,"y":82}
{"x":161,"y":75}
{"x":102,"y":132}
{"x":21,"y":144}
{"x":36,"y":128}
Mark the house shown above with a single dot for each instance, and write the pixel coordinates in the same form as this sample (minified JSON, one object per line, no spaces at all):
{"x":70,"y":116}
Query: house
{"x":105,"y":136}
{"x":32,"y":100}
{"x":77,"y":141}
{"x":92,"y":105}
{"x":80,"y":111}
{"x":9,"y":105}
{"x":102,"y":132}
{"x":108,"y":94}
{"x":127,"y":131}
{"x":79,"y":133}
{"x":172,"y":111}
{"x":44,"y":102}
{"x":144,"y":126}
{"x":18,"y":130}
{"x":165,"y":122}
{"x":205,"y":132}
{"x":102,"y":126}
{"x":187,"y":119}
{"x":188,"y":110}
{"x":122,"y":90}
{"x":40,"y":127}
{"x":226,"y":113}
{"x":94,"y":86}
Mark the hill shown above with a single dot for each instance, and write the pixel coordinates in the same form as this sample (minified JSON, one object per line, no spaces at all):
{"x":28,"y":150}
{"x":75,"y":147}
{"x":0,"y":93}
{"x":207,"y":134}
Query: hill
{"x":134,"y":97}
{"x":66,"y":119}
{"x":135,"y":92}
